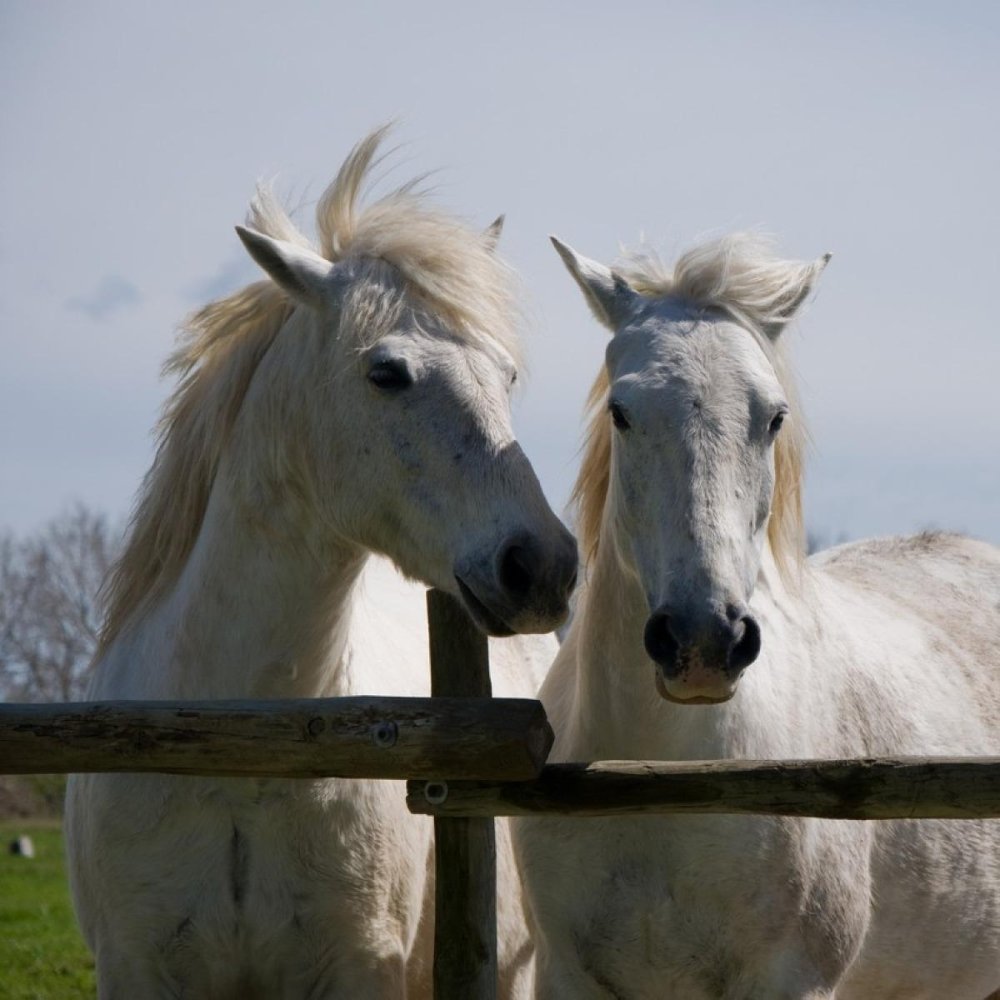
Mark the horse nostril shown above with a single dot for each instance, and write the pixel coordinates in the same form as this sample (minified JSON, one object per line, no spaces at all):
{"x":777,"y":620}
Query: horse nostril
{"x":745,"y":646}
{"x":515,"y":570}
{"x":659,"y":640}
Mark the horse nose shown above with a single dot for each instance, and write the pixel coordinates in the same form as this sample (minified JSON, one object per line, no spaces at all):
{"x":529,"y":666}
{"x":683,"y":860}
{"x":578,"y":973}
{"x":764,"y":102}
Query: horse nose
{"x":531,"y":573}
{"x":523,"y":585}
{"x":660,"y":642}
{"x":730,"y":641}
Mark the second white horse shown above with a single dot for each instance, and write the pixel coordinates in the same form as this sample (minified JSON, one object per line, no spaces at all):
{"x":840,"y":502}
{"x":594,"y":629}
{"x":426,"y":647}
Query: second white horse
{"x":701,"y":634}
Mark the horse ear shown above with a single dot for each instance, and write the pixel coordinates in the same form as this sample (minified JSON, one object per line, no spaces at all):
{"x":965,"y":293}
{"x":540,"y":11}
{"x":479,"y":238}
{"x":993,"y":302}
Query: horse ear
{"x":304,"y":275}
{"x":491,"y":234}
{"x":608,"y":294}
{"x":797,"y":291}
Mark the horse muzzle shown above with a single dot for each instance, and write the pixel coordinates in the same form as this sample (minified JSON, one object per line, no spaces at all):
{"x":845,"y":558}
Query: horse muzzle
{"x":700,"y":662}
{"x":523,"y":587}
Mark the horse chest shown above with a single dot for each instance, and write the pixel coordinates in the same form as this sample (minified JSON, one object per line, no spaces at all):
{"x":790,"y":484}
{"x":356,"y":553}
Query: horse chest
{"x":269,"y":882}
{"x":686,"y":906}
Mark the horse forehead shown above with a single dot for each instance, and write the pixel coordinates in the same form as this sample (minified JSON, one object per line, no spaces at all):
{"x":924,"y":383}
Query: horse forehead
{"x":697,"y":357}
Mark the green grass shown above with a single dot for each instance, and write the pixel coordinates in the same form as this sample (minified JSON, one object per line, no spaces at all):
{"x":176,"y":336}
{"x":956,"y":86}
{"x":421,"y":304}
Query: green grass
{"x":42,"y":956}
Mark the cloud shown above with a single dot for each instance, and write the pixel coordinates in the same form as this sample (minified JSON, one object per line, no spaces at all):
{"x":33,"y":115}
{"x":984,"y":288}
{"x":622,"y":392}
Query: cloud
{"x":112,"y":294}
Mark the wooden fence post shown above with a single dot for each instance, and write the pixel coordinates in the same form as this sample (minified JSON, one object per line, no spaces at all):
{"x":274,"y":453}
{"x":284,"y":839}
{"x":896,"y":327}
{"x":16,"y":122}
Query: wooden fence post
{"x":465,"y":915}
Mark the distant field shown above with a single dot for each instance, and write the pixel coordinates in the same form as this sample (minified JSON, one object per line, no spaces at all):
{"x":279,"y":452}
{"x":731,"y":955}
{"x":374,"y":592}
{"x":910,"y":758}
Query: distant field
{"x":42,"y":956}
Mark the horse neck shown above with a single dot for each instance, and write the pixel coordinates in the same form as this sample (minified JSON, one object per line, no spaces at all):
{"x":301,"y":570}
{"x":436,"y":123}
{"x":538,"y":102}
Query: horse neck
{"x":617,"y":712}
{"x":261,"y":609}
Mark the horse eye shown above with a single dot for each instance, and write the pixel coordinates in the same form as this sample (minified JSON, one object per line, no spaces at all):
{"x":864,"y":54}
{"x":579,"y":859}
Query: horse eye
{"x":618,"y":415}
{"x":776,"y":421}
{"x":390,"y":375}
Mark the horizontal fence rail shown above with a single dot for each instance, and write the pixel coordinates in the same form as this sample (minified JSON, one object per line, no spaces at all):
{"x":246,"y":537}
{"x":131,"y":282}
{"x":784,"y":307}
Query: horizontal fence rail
{"x":361,"y":737}
{"x":472,"y":757}
{"x":881,"y":788}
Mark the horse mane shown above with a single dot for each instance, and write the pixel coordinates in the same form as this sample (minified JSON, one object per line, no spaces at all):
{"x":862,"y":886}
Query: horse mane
{"x":740,"y":276}
{"x":397,"y":251}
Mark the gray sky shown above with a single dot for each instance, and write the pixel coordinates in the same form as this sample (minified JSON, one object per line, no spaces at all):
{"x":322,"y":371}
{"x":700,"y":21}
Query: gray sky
{"x":133,"y":134}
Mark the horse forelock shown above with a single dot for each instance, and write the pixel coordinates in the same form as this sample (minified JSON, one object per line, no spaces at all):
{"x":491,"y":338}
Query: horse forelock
{"x":445,"y":266}
{"x":400,"y":250}
{"x":740,"y":276}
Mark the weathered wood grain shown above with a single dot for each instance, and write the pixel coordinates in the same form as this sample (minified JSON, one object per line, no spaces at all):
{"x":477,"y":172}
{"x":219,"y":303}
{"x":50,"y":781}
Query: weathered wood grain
{"x":370,"y":737}
{"x":903,"y":788}
{"x":465,"y":928}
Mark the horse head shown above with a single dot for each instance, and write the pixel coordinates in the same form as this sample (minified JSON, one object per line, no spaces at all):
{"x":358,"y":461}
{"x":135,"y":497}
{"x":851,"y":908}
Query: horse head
{"x":702,"y":447}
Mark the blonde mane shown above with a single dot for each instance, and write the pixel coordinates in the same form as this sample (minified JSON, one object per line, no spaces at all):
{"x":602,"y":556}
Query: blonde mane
{"x":396,"y":251}
{"x":740,"y":276}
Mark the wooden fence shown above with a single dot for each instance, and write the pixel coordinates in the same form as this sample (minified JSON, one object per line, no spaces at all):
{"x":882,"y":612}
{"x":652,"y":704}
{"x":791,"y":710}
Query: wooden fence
{"x":469,"y":758}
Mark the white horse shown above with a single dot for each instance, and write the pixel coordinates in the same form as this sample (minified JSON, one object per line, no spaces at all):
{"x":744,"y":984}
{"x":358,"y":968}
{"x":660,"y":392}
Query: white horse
{"x":701,"y":634}
{"x":355,"y":404}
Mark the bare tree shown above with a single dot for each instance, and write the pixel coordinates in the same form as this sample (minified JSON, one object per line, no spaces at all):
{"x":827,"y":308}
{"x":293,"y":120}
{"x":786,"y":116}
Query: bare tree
{"x":49,"y":605}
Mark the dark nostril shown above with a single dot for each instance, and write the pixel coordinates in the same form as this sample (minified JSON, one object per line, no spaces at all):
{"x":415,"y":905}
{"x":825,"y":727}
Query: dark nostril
{"x":746,"y":644}
{"x":515,"y":570}
{"x":660,"y":642}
